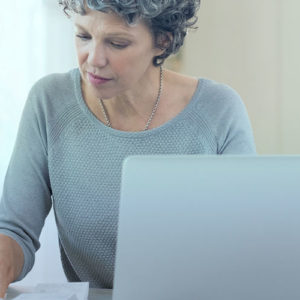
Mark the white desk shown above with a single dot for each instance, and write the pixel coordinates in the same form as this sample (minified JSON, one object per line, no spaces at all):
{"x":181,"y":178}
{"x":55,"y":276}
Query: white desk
{"x":94,"y":294}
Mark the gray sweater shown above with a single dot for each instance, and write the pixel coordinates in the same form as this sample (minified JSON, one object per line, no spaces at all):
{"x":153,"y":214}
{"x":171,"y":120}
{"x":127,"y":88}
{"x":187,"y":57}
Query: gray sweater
{"x":65,"y":157}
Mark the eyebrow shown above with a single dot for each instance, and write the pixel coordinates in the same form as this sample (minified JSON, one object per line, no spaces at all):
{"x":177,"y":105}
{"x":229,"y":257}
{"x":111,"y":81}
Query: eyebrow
{"x":121,"y":33}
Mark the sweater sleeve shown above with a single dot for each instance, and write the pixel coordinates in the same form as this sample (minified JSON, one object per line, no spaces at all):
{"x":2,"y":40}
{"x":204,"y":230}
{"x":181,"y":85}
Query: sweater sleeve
{"x":226,"y":115}
{"x":26,"y":198}
{"x":237,"y":138}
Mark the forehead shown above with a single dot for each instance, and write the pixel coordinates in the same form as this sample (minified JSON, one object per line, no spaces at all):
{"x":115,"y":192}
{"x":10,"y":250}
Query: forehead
{"x":97,"y":21}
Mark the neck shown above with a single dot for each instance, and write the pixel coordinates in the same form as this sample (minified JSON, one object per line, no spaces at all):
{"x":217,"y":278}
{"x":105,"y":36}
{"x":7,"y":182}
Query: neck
{"x":138,"y":105}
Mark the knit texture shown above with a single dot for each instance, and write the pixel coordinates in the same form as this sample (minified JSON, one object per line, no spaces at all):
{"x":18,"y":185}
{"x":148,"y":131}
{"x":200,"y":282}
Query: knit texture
{"x":65,"y":157}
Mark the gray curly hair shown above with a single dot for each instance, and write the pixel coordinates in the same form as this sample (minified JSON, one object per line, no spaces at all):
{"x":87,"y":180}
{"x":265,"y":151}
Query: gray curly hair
{"x":164,"y":17}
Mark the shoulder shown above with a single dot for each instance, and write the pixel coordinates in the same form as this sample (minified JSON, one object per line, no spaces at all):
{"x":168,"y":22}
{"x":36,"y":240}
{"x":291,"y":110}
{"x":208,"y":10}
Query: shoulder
{"x":218,"y":97}
{"x":218,"y":102}
{"x":222,"y":109}
{"x":208,"y":94}
{"x":52,"y":100}
{"x":54,"y":92}
{"x":56,"y":83}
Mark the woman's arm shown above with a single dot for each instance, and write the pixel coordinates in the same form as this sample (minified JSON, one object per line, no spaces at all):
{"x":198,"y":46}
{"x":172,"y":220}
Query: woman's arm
{"x":26,"y":198}
{"x":11,"y":262}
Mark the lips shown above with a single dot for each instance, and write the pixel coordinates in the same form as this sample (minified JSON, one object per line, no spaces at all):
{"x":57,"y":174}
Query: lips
{"x":98,"y":77}
{"x":97,"y":80}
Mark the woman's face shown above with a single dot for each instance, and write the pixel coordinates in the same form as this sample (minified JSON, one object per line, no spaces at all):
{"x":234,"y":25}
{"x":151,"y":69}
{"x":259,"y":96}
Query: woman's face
{"x":113,"y":57}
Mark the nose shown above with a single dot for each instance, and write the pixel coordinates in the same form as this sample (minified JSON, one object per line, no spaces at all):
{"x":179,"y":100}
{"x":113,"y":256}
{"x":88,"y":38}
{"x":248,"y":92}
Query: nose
{"x":97,"y":56}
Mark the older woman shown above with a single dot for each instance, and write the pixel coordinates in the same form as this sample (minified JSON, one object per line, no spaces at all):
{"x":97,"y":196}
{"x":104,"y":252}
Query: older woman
{"x":78,"y":127}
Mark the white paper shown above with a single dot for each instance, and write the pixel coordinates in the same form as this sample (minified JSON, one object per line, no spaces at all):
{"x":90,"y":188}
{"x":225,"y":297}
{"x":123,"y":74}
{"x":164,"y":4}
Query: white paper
{"x":80,"y":289}
{"x":59,"y":291}
{"x":46,"y":296}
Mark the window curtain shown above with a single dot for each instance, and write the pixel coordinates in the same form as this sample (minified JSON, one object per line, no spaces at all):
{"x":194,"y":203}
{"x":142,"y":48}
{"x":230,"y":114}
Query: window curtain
{"x":36,"y":40}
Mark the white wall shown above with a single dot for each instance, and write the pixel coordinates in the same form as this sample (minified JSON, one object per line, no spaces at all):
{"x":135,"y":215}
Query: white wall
{"x":253,"y":46}
{"x":290,"y":62}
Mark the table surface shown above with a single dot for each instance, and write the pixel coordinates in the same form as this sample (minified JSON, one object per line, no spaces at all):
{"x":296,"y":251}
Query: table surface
{"x":99,"y":294}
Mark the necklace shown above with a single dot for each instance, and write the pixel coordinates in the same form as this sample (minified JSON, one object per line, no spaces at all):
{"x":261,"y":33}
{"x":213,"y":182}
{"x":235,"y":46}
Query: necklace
{"x":105,"y":114}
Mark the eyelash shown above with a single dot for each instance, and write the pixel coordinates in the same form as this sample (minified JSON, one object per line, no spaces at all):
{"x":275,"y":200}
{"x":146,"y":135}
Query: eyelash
{"x":82,"y":37}
{"x":115,"y":45}
{"x":118,"y":46}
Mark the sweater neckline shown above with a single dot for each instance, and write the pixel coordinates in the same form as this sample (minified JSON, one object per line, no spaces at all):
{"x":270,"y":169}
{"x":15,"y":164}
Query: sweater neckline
{"x":130,"y":134}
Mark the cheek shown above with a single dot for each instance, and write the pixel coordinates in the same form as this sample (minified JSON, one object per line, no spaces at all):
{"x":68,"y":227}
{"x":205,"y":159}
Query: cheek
{"x":123,"y":65}
{"x":81,"y":53}
{"x":132,"y":61}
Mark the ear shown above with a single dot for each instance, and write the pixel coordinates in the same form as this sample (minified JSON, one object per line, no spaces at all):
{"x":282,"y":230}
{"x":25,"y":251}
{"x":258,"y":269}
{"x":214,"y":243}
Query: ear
{"x":163,"y":41}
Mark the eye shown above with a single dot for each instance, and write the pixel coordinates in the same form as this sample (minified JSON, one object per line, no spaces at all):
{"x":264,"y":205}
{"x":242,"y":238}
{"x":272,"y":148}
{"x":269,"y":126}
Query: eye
{"x":118,"y":45}
{"x":83,"y":37}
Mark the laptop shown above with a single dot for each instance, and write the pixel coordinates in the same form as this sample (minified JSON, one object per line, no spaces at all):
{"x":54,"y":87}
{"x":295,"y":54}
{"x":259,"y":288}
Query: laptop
{"x":209,"y":228}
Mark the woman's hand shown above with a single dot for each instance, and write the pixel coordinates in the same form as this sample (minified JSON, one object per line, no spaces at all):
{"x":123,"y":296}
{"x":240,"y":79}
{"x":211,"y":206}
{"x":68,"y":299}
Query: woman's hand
{"x":11,"y":262}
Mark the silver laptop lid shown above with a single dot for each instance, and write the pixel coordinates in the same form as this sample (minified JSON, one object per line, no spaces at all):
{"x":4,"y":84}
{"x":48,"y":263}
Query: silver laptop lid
{"x":209,"y":228}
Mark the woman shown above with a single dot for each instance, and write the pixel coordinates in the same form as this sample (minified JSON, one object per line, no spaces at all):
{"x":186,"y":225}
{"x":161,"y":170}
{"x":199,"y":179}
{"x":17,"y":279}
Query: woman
{"x":78,"y":127}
